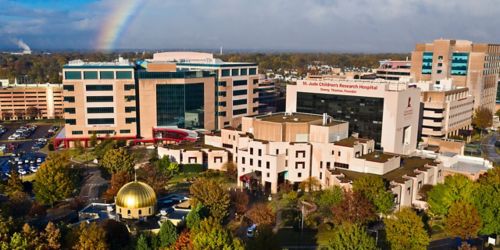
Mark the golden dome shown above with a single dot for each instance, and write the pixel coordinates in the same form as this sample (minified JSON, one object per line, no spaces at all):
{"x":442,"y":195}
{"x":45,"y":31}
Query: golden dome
{"x":136,"y":194}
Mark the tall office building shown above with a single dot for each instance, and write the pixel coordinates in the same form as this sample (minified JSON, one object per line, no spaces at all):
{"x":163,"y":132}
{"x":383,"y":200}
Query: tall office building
{"x":472,"y":65}
{"x":237,"y":83}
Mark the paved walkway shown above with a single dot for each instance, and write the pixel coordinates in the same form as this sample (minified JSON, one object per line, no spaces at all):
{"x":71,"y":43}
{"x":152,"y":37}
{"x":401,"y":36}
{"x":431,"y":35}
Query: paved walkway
{"x":92,"y":185}
{"x":488,"y":147}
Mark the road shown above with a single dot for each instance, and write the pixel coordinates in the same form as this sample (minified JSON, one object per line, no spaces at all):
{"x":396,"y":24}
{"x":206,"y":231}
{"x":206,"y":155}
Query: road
{"x":93,"y":184}
{"x":488,"y":147}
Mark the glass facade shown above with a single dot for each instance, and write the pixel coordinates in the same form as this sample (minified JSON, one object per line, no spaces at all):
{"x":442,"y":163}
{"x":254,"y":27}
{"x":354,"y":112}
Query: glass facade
{"x":123,"y":74}
{"x":252,"y":71}
{"x":427,"y":63}
{"x":89,"y":74}
{"x":180,"y":105}
{"x":364,"y":114}
{"x":225,"y":72}
{"x":459,"y":62}
{"x":73,"y":75}
{"x":107,"y":75}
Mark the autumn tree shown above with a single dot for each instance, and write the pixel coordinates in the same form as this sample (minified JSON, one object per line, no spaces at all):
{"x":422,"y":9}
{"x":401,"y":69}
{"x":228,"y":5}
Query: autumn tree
{"x":213,"y":236}
{"x":14,"y":184}
{"x":117,"y":235}
{"x":93,"y":139}
{"x":354,"y":208}
{"x":374,"y":189}
{"x":53,"y":180}
{"x":118,"y":179}
{"x":52,"y":237}
{"x":405,"y":230}
{"x":184,"y":241}
{"x":261,"y":214}
{"x":240,"y":201}
{"x":487,"y":202}
{"x":152,"y":175}
{"x":462,"y":220}
{"x":455,"y":188}
{"x":30,"y":233}
{"x":212,"y":195}
{"x":310,"y":184}
{"x":231,"y":170}
{"x":168,"y":234}
{"x":482,"y":119}
{"x":91,"y":237}
{"x":351,"y":236}
{"x":6,"y":227}
{"x":118,"y":159}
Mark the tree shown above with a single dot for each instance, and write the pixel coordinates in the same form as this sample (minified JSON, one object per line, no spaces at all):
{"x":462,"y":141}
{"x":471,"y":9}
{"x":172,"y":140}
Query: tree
{"x":211,"y":194}
{"x":93,"y":140}
{"x":184,"y":241}
{"x":354,"y":208}
{"x":212,"y":236}
{"x":240,"y":201}
{"x":483,"y":118}
{"x":261,"y":214}
{"x":17,"y":241}
{"x":118,"y":179}
{"x":32,"y":112}
{"x":91,"y":237}
{"x":374,"y":189}
{"x":487,"y":202}
{"x":463,"y":220}
{"x":231,"y":170}
{"x":405,"y":230}
{"x":52,"y":237}
{"x":53,"y":180}
{"x":32,"y":234}
{"x":195,"y":216}
{"x":118,"y":159}
{"x":142,"y":243}
{"x":154,"y":177}
{"x":6,"y":228}
{"x":455,"y":188}
{"x":14,"y":184}
{"x":310,"y":184}
{"x":167,"y":234}
{"x":166,"y":166}
{"x":351,"y":236}
{"x":328,"y":198}
{"x":117,"y":234}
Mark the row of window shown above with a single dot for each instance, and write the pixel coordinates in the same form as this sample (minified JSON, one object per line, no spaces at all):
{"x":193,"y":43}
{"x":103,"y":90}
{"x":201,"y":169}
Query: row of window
{"x":239,"y":72}
{"x":92,"y":75}
{"x":101,"y":121}
{"x":99,"y":110}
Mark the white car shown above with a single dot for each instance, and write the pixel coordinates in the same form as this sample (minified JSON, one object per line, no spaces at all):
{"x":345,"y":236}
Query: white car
{"x":33,"y":169}
{"x":13,"y":137}
{"x":251,"y":231}
{"x":21,"y":171}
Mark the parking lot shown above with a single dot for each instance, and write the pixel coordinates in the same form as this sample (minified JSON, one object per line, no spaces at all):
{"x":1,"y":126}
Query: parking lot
{"x":24,"y":145}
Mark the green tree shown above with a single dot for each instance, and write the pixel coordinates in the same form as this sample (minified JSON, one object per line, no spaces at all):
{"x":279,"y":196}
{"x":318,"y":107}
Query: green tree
{"x":374,"y":189}
{"x":212,"y":236}
{"x":195,"y":216}
{"x":463,"y":220}
{"x":166,"y":166}
{"x":351,"y":237}
{"x":212,"y":195}
{"x":118,"y":159}
{"x":91,"y":237}
{"x":405,"y":230}
{"x":6,"y":228}
{"x":168,"y":234}
{"x":487,"y":202}
{"x":142,"y":243}
{"x":53,"y":181}
{"x":17,"y":242}
{"x":483,"y":118}
{"x":455,"y":188}
{"x":93,"y":140}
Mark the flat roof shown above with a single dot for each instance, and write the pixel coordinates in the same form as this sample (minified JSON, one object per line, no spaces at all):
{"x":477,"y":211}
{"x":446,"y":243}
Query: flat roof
{"x":350,"y":141}
{"x":378,"y":156}
{"x":192,"y":146}
{"x":290,"y":117}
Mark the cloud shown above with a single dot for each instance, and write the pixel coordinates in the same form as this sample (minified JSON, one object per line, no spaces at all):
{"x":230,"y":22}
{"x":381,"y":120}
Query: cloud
{"x":318,"y":25}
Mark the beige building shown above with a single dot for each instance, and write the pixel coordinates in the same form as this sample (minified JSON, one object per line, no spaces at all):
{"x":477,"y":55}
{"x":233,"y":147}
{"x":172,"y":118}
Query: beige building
{"x":385,"y":111}
{"x":31,"y":101}
{"x":393,"y":70}
{"x":237,"y":83}
{"x":447,"y":110}
{"x":472,"y":65}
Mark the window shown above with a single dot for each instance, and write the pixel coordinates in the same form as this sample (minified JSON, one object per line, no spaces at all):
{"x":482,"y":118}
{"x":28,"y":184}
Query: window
{"x":243,"y":160}
{"x":339,"y":153}
{"x":255,"y":81}
{"x":99,"y":99}
{"x":240,"y":102}
{"x":439,"y":71}
{"x":240,"y":83}
{"x":89,"y":74}
{"x":77,"y":132}
{"x":223,"y":113}
{"x":340,"y":165}
{"x":192,"y":160}
{"x":253,"y":71}
{"x":123,"y":75}
{"x":128,"y":86}
{"x":101,"y":132}
{"x":268,"y":165}
{"x":259,"y":163}
{"x":69,"y":110}
{"x":222,"y":84}
{"x":98,"y":87}
{"x":251,"y":161}
{"x":129,"y":120}
{"x":299,"y":175}
{"x":267,"y":175}
{"x":260,"y":152}
{"x":239,"y":111}
{"x":320,"y":164}
{"x":69,"y":99}
{"x":129,"y":109}
{"x":140,"y":211}
{"x":225,"y":72}
{"x":73,"y":75}
{"x":69,"y":87}
{"x":218,"y":159}
{"x":320,"y":176}
{"x":408,"y":190}
{"x":124,"y":131}
{"x":251,"y":151}
{"x":70,"y":121}
{"x":300,"y":153}
{"x":235,"y":72}
{"x":300,"y":164}
{"x":130,"y":98}
{"x":98,"y":110}
{"x":107,"y":75}
{"x":222,"y":104}
{"x":240,"y":92}
{"x":98,"y":121}
{"x":244,"y":72}
{"x":427,"y":63}
{"x":328,"y":165}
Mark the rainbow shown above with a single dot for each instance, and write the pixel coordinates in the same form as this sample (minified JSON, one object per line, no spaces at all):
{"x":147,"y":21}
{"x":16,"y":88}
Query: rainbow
{"x":117,"y":22}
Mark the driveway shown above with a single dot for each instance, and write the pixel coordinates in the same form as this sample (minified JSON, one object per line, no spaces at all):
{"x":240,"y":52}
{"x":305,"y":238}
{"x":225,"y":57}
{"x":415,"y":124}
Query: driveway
{"x":488,"y":147}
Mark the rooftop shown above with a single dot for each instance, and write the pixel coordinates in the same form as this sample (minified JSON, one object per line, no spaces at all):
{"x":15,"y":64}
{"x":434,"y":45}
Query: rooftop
{"x":190,"y":146}
{"x":290,"y":117}
{"x":350,"y":141}
{"x":120,"y":63}
{"x":189,"y":58}
{"x":378,"y":156}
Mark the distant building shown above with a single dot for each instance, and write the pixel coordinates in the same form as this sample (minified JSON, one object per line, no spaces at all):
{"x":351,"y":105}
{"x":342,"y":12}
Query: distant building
{"x":394,"y":70}
{"x":34,"y":101}
{"x":447,"y":110}
{"x":384,"y":111}
{"x":472,"y":65}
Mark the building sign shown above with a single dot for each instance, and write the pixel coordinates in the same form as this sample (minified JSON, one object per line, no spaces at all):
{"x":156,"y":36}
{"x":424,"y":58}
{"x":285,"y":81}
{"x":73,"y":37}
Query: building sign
{"x":340,"y":87}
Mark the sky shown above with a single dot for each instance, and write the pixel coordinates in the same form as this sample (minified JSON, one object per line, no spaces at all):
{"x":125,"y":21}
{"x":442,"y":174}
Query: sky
{"x":365,"y":26}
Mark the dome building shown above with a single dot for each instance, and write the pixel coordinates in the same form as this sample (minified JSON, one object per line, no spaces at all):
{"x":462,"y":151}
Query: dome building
{"x":135,"y":200}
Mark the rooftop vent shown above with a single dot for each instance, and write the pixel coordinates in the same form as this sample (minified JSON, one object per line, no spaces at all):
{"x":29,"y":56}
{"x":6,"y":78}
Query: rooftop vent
{"x":295,"y":119}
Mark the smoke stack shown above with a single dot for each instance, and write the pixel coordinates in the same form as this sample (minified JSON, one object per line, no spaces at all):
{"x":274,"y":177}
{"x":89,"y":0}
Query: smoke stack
{"x":21,"y":44}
